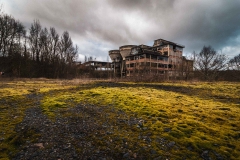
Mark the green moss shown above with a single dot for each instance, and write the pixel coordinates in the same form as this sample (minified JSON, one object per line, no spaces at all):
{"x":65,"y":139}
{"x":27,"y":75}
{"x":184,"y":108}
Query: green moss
{"x":204,"y":121}
{"x":50,"y":105}
{"x":11,"y":114}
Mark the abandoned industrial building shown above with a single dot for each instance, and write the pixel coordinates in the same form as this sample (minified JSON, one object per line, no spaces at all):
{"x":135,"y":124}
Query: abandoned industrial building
{"x":163,"y":58}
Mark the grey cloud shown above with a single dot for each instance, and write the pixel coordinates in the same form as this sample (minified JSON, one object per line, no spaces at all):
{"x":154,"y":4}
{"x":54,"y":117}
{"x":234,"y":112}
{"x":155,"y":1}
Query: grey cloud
{"x":119,"y":22}
{"x":201,"y":22}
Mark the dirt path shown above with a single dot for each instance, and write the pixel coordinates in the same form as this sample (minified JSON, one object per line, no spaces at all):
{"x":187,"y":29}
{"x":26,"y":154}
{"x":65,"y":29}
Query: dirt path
{"x":85,"y":132}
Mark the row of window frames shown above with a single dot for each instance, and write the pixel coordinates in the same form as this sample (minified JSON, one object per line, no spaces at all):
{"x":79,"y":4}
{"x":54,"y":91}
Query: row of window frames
{"x":152,"y":65}
{"x":142,"y":57}
{"x":159,"y":72}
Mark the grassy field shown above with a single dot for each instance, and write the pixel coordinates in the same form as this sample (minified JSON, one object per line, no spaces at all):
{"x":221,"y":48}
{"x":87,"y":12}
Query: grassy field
{"x":195,"y":118}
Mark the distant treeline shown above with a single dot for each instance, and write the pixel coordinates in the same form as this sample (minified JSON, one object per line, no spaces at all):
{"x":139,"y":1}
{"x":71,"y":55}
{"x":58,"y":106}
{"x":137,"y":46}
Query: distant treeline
{"x":35,"y":52}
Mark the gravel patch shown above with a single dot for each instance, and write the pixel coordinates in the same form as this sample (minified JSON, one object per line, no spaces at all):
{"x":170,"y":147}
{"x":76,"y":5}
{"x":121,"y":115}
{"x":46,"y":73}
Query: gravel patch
{"x":81,"y":132}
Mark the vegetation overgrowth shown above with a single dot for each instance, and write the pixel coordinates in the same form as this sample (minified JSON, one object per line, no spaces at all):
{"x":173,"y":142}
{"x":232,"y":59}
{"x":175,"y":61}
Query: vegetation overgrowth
{"x":195,"y":116}
{"x":13,"y":103}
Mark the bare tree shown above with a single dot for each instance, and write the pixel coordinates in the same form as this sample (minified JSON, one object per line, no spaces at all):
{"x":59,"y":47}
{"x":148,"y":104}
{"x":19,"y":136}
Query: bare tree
{"x":208,"y":63}
{"x":68,"y":53}
{"x":11,"y":32}
{"x":234,"y":66}
{"x":54,"y":50}
{"x":65,"y":46}
{"x":34,"y":37}
{"x":54,"y":40}
{"x":44,"y":43}
{"x":234,"y":63}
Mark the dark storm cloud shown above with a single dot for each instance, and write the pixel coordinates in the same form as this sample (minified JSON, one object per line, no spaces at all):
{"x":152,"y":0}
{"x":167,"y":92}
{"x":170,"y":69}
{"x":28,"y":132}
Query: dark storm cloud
{"x":193,"y":23}
{"x":107,"y":24}
{"x":214,"y":25}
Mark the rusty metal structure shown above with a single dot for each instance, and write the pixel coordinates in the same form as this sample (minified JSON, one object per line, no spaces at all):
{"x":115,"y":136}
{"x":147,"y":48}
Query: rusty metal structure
{"x":164,"y":57}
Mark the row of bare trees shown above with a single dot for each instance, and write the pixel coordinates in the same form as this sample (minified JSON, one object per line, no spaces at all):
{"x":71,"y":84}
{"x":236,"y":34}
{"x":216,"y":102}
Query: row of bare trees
{"x":37,"y":52}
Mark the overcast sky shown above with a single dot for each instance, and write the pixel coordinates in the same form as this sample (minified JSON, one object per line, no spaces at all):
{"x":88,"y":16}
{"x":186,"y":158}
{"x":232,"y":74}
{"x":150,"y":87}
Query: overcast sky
{"x":98,"y":26}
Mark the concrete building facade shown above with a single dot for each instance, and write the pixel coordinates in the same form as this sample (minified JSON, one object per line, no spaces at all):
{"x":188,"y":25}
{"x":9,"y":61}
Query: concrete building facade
{"x":164,"y":57}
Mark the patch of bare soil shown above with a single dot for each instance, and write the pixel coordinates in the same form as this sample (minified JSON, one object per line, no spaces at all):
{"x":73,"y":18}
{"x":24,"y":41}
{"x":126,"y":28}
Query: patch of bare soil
{"x":86,"y":132}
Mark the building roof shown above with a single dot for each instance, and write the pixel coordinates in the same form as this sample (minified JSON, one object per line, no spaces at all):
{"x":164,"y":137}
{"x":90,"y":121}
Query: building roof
{"x":126,"y":46}
{"x":169,"y":42}
{"x":115,"y":50}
